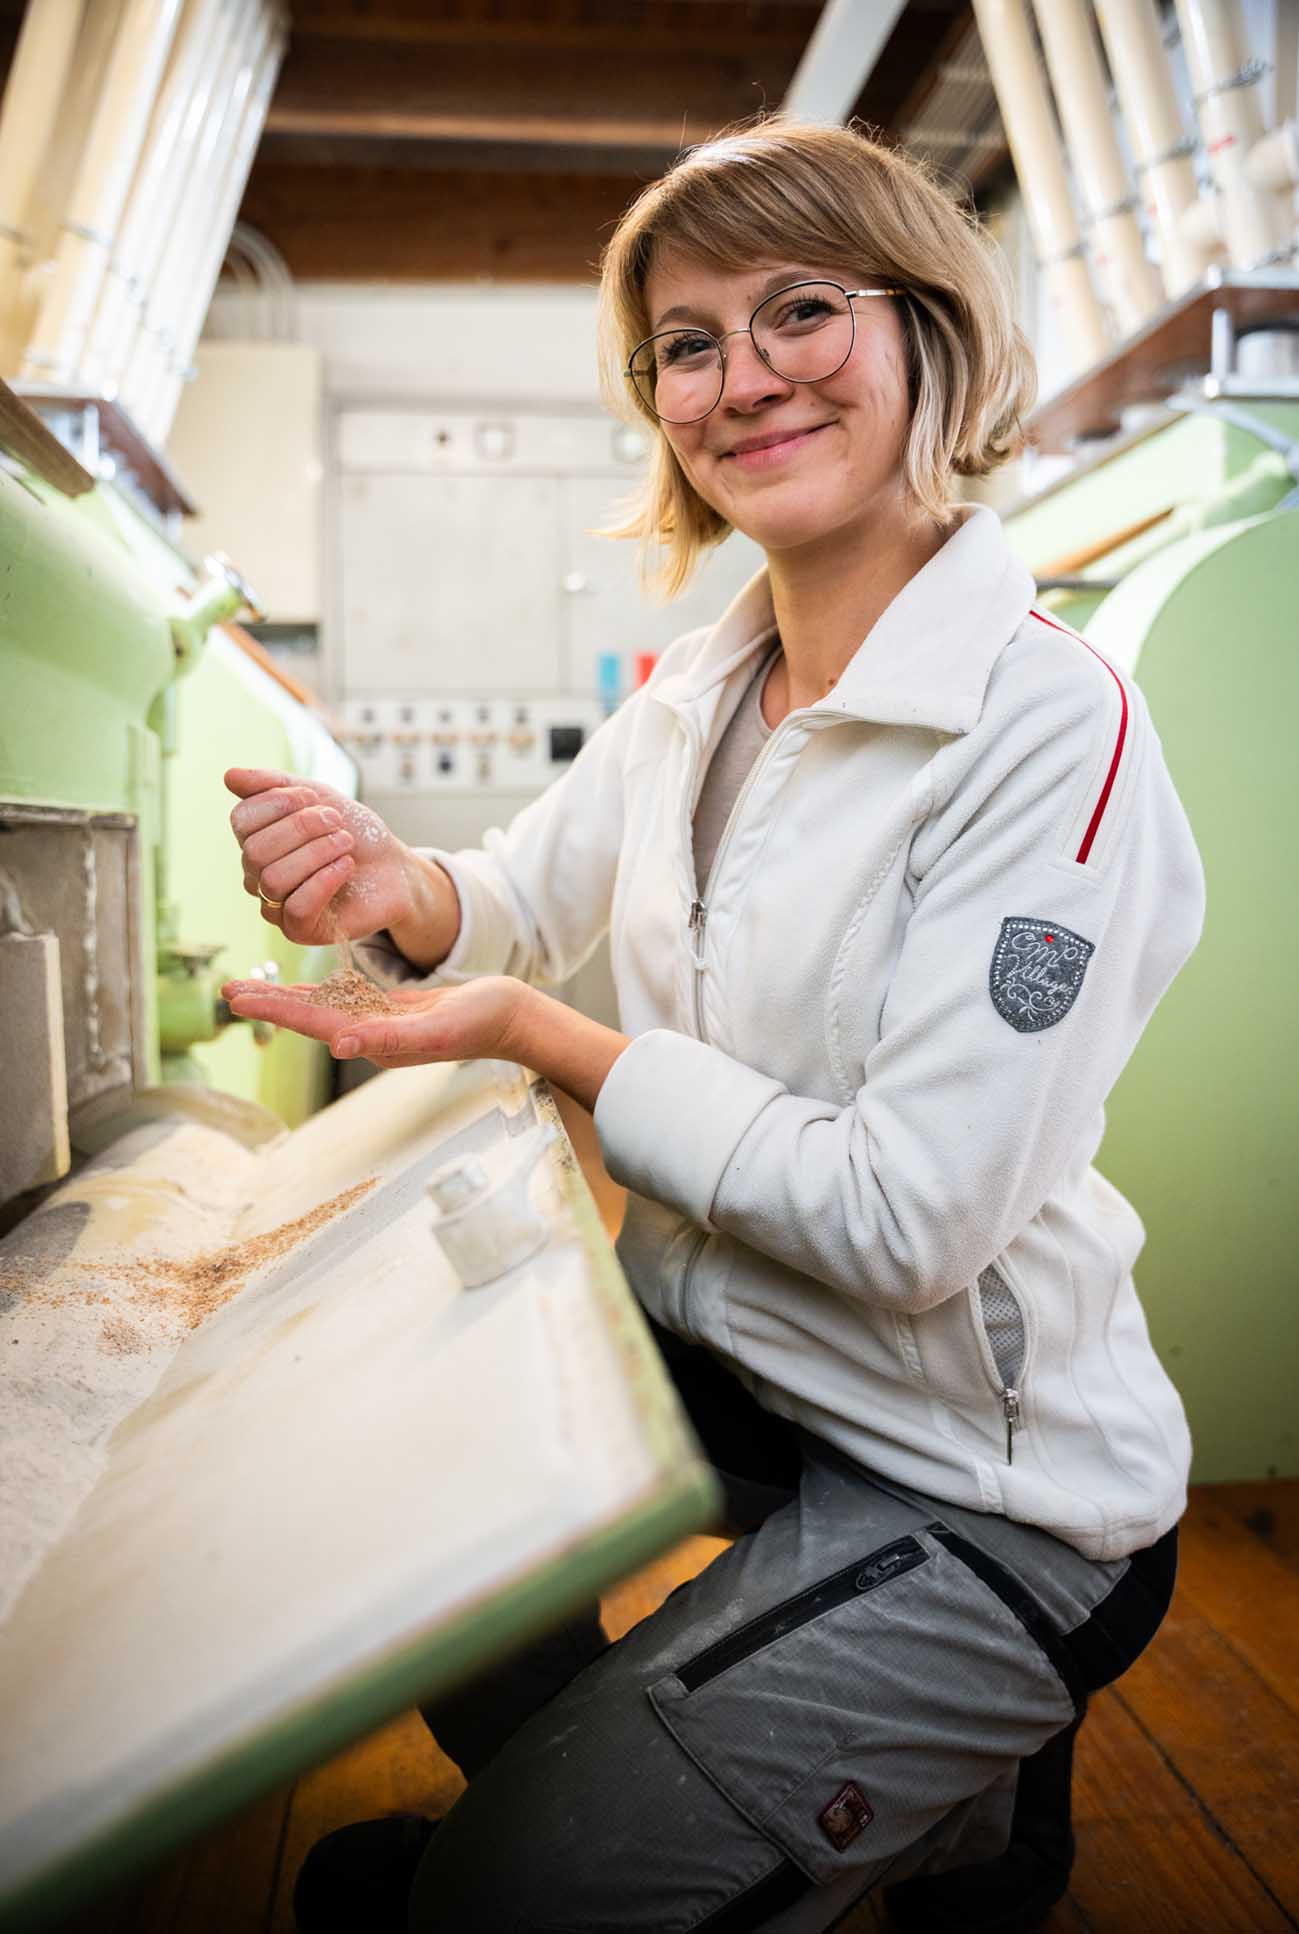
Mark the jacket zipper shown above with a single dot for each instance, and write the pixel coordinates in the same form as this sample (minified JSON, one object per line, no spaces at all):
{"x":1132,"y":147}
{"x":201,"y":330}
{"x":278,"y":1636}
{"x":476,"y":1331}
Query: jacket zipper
{"x":1006,"y":1380}
{"x":697,"y":921}
{"x":1011,"y":1412}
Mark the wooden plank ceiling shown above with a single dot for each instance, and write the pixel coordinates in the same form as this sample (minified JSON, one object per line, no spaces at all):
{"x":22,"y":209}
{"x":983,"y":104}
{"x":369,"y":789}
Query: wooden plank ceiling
{"x":457,"y":139}
{"x":454,"y":139}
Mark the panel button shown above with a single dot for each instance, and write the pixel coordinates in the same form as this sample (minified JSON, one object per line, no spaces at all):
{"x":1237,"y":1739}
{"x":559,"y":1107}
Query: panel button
{"x":566,"y":741}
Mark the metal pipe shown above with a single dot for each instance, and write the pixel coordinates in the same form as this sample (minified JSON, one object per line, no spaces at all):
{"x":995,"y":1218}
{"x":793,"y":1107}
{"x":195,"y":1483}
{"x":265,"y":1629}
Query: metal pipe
{"x":192,"y":210}
{"x":1161,"y":148}
{"x":1252,"y":221}
{"x":103,"y":180}
{"x":162,"y":409}
{"x":37,"y":77}
{"x":154,"y":190}
{"x":1274,"y":161}
{"x":177,"y":206}
{"x":1128,"y":280}
{"x":1022,"y":95}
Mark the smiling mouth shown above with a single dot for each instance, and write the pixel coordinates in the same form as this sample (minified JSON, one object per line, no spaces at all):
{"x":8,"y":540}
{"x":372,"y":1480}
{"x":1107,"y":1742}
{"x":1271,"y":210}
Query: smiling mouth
{"x":765,"y":449}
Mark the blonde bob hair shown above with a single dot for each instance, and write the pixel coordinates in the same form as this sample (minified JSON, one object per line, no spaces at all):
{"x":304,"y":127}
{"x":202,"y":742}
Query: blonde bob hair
{"x":771,"y":189}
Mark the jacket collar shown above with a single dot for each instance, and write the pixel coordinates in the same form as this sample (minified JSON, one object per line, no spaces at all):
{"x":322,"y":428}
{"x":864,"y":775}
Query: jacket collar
{"x":927,"y":659}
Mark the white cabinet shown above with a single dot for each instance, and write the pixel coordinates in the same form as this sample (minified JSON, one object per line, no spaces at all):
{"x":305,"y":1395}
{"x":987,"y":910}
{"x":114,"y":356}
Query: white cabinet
{"x":605,"y":608}
{"x":448,"y":584}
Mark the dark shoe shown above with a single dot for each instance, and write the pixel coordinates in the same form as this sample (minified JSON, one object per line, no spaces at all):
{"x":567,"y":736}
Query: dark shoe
{"x":1015,"y":1892}
{"x":359,"y":1878}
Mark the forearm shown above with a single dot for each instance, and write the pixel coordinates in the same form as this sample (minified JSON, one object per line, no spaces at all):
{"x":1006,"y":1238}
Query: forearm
{"x":571,"y":1051}
{"x":429,"y":932}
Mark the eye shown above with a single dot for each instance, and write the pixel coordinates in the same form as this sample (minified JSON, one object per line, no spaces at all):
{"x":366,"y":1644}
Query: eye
{"x":804,"y":311}
{"x":675,"y":350}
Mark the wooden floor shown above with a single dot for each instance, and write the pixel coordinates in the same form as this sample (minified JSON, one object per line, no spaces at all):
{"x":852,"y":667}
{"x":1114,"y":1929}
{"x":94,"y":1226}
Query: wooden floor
{"x":1186,"y":1795}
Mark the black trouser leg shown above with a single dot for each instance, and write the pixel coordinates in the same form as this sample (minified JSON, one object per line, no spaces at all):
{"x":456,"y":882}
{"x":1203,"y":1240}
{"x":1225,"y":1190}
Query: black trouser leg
{"x":472,"y":1723}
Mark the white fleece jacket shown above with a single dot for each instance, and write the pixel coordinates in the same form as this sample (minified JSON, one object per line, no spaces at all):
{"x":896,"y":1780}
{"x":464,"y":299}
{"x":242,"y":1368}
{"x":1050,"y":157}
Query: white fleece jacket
{"x":867,"y":1078}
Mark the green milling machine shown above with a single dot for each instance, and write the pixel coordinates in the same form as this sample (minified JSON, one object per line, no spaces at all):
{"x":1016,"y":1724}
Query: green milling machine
{"x":243,"y":1350}
{"x":1175,"y":553}
{"x":124,"y":700}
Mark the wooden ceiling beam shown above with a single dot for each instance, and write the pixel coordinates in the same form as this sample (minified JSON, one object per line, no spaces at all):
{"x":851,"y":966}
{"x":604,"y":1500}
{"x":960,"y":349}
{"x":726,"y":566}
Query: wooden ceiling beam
{"x":661,"y":136}
{"x":387,"y":226}
{"x":464,"y":156}
{"x":645,"y":26}
{"x":378,"y":90}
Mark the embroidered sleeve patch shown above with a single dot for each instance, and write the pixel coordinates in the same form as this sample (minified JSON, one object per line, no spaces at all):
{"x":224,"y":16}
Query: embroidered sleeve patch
{"x":1037,"y":969}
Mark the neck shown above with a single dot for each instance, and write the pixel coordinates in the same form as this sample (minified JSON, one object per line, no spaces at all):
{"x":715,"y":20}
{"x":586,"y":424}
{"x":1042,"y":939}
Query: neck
{"x":827,"y":597}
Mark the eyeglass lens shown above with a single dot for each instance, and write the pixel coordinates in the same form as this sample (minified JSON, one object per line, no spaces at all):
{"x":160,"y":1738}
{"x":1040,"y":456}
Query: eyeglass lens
{"x":803,"y":334}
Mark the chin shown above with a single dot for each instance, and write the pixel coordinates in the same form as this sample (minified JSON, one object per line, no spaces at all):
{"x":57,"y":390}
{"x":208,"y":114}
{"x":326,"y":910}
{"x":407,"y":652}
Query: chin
{"x":790,"y":533}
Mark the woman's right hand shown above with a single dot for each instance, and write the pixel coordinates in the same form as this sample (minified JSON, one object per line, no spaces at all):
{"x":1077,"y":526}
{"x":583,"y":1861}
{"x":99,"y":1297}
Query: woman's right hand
{"x":324,"y":865}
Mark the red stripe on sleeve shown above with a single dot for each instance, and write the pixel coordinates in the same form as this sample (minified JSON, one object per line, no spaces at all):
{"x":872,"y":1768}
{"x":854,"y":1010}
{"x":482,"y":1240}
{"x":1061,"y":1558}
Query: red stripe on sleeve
{"x":1094,"y":823}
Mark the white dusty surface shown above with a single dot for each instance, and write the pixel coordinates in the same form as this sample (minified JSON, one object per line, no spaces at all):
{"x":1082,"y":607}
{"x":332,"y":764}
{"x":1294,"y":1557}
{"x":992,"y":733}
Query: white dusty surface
{"x":341,"y":1457}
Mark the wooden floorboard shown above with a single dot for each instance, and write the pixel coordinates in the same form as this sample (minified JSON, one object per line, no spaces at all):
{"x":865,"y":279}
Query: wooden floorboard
{"x":1186,"y":1797}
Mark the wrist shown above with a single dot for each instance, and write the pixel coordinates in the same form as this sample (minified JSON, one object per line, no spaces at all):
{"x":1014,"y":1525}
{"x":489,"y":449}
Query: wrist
{"x":430,"y":930}
{"x":567,"y":1048}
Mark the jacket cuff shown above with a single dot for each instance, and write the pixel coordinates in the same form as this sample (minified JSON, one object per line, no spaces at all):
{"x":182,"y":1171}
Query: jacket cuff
{"x":670,"y":1114}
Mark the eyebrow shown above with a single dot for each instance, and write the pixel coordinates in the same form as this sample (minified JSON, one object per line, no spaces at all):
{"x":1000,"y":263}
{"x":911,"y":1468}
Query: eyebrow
{"x":780,"y":280}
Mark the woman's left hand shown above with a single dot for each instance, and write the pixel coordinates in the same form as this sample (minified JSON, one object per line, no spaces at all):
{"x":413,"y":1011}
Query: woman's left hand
{"x":481,"y":1020}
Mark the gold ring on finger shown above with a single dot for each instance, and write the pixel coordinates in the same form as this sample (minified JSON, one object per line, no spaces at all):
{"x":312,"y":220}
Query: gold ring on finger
{"x":266,"y":899}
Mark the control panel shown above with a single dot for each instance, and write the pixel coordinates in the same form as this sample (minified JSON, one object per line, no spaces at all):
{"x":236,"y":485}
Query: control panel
{"x":439,"y":745}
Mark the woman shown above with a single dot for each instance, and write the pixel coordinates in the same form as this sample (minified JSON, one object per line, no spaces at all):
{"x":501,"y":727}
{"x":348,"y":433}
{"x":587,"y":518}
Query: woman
{"x":894,"y":875}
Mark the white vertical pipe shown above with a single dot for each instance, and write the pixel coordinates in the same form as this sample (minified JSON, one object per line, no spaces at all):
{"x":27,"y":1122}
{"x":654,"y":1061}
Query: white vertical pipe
{"x":192,"y":210}
{"x":52,"y":189}
{"x":37,"y":77}
{"x":1022,"y":95}
{"x":156,"y":185}
{"x":1161,"y":150}
{"x":177,"y":204}
{"x":1254,"y":224}
{"x":1274,"y":161}
{"x":103,"y":179}
{"x":161,"y":408}
{"x":1128,"y":280}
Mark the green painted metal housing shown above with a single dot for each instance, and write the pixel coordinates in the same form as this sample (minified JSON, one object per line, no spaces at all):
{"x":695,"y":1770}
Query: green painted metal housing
{"x":119,"y":700}
{"x":1203,"y":1126}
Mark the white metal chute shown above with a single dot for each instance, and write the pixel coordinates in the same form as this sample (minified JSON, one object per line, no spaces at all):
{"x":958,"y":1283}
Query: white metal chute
{"x":156,"y":186}
{"x":1023,"y":96}
{"x":37,"y":77}
{"x":94,"y":209}
{"x":197,"y":290}
{"x":1160,"y":147}
{"x":839,"y":58}
{"x":1128,"y":280}
{"x":195,"y":209}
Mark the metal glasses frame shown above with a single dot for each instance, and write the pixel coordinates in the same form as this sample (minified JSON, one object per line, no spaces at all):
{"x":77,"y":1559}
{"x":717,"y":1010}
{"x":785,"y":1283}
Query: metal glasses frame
{"x":808,"y":282}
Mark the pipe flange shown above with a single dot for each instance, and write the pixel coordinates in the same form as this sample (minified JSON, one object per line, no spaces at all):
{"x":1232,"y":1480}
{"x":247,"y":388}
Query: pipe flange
{"x":1128,"y":206}
{"x":1247,"y":76}
{"x":1180,"y":151}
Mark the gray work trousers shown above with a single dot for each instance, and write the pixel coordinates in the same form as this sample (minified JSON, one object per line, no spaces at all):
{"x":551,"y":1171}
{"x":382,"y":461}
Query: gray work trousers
{"x":844,"y":1695}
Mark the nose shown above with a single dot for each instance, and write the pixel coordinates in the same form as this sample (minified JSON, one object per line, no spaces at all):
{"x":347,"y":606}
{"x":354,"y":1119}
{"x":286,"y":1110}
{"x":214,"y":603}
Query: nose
{"x":746,"y":379}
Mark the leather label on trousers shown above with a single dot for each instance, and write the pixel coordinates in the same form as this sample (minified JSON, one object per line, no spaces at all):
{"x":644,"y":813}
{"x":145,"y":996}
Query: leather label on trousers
{"x":848,"y":1812}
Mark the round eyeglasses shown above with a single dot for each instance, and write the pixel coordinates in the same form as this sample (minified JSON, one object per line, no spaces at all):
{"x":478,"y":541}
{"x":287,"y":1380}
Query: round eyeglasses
{"x":803,"y":333}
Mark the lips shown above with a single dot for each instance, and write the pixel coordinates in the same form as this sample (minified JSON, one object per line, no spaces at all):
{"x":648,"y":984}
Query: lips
{"x":773,"y":437}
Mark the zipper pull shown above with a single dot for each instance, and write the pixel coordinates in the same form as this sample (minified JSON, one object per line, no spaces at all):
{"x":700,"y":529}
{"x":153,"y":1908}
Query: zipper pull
{"x":698,"y":921}
{"x":1010,"y":1411}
